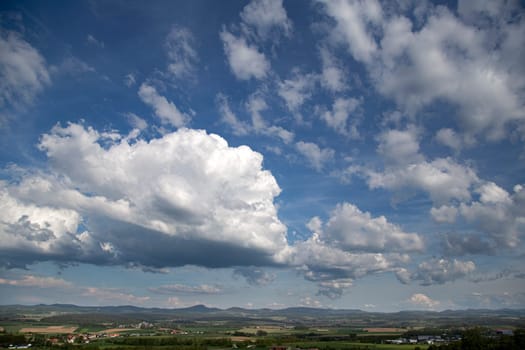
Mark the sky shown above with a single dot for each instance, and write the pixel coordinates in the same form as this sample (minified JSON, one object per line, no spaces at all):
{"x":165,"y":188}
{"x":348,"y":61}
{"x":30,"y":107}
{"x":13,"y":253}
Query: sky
{"x":263,"y":154}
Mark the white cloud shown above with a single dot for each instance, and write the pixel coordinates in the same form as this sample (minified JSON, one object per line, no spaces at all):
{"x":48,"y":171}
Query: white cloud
{"x":351,"y":229}
{"x":490,"y":193}
{"x":315,"y":225}
{"x":167,"y":112}
{"x":267,"y":16}
{"x":285,"y":135}
{"x":175,"y":302}
{"x":238,"y":127}
{"x":495,"y":300}
{"x":245,"y":60}
{"x":136,"y":121}
{"x":184,"y":198}
{"x":274,"y":149}
{"x":101,"y":295}
{"x":499,"y":215}
{"x":91,"y":40}
{"x":334,"y":289}
{"x":443,"y":179}
{"x":185,"y":289}
{"x":444,"y":214}
{"x":443,"y":60}
{"x":316,"y":156}
{"x":255,"y":105}
{"x":439,"y":271}
{"x":338,"y":117}
{"x":448,"y":60}
{"x":351,"y":245}
{"x":182,"y":56}
{"x":419,"y":299}
{"x":449,"y":138}
{"x":353,"y":22}
{"x":37,"y":281}
{"x":30,"y":232}
{"x":400,"y":146}
{"x":496,"y":220}
{"x":310,"y":302}
{"x":459,"y":244}
{"x":325,"y":263}
{"x":333,"y":76}
{"x":297,"y":90}
{"x":403,"y":275}
{"x":254,"y":276}
{"x":485,"y":12}
{"x":23,"y":71}
{"x":112,"y":295}
{"x":129,"y":80}
{"x":73,"y":66}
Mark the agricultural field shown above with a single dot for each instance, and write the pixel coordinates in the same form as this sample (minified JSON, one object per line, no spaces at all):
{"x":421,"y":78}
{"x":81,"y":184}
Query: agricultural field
{"x":385,"y":330}
{"x":214,"y":329}
{"x":117,"y":330}
{"x":49,"y":330}
{"x":360,"y":345}
{"x":266,"y":329}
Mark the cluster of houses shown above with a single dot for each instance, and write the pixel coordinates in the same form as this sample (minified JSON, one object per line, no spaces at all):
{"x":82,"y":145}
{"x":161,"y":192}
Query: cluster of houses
{"x":81,"y":338}
{"x":424,"y":339}
{"x":24,"y":346}
{"x":86,"y":338}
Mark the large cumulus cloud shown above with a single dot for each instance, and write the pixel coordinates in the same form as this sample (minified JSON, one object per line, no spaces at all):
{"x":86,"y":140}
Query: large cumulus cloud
{"x":184,"y":198}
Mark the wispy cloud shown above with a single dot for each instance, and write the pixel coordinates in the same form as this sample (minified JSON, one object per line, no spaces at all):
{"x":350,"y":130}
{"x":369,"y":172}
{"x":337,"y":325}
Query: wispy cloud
{"x":186,"y":289}
{"x":24,"y":72}
{"x":37,"y":281}
{"x":165,"y":110}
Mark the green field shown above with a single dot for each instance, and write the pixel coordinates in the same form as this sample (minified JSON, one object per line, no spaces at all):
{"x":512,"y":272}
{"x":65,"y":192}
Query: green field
{"x":15,"y":327}
{"x":221,"y":330}
{"x":354,"y":345}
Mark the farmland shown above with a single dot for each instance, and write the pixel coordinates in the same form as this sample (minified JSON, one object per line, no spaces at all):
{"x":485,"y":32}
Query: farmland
{"x":201,"y":328}
{"x":49,"y":330}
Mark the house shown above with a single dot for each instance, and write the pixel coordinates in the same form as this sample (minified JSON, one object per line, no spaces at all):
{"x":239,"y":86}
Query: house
{"x":504,"y":332}
{"x":279,"y":347}
{"x":53,"y":340}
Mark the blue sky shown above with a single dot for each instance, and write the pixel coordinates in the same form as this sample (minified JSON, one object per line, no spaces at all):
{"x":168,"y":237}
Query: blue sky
{"x":345,"y":154}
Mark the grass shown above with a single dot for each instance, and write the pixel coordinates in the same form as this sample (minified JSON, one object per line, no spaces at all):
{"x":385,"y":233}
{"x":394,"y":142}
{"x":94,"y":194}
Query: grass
{"x":354,"y":345}
{"x":13,"y":327}
{"x":370,"y":334}
{"x":90,"y":329}
{"x":269,"y":330}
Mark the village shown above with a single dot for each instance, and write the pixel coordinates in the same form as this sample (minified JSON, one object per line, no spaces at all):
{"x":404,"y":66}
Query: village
{"x":125,"y":333}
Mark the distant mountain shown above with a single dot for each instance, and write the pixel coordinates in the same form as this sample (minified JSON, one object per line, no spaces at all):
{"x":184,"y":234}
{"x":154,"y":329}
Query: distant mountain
{"x":199,"y":308}
{"x":319,"y":311}
{"x":64,"y":313}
